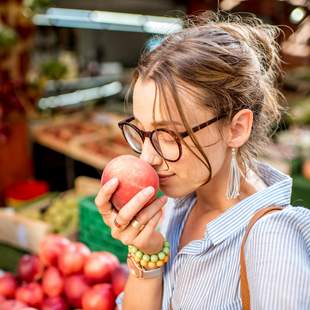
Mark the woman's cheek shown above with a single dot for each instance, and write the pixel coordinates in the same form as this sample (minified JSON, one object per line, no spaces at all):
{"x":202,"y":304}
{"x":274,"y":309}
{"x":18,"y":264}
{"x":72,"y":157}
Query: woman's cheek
{"x":192,"y":170}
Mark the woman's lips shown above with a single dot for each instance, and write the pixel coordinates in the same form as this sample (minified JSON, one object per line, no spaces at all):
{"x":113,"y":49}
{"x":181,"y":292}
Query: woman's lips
{"x":165,"y":177}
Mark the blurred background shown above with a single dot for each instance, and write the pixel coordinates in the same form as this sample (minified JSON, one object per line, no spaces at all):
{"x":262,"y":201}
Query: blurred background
{"x":65,"y":67}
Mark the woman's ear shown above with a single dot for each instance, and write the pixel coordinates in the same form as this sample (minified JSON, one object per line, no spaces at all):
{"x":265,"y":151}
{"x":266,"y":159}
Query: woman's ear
{"x":240,"y":128}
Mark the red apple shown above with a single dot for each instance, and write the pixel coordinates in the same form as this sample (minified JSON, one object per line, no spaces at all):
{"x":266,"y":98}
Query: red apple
{"x":30,"y":268}
{"x":53,"y":282}
{"x":99,"y":267}
{"x":100,"y":297}
{"x":133,"y":174}
{"x":8,"y":285}
{"x":51,"y":247}
{"x":54,"y":303}
{"x":75,"y":287}
{"x":306,"y":169}
{"x":113,"y":260}
{"x":30,"y":294}
{"x":72,"y":260}
{"x":12,"y":305}
{"x":119,"y":279}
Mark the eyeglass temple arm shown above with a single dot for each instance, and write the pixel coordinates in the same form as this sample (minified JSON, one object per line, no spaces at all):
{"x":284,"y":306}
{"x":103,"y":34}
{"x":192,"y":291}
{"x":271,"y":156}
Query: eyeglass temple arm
{"x":184,"y":133}
{"x":203,"y":125}
{"x":127,"y":120}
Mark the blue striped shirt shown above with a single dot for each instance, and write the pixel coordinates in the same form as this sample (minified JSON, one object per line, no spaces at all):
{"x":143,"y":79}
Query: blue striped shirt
{"x":205,"y":274}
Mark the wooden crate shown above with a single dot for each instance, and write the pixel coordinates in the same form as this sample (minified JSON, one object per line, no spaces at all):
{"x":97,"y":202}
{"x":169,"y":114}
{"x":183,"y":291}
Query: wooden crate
{"x":23,"y":232}
{"x":20,"y":231}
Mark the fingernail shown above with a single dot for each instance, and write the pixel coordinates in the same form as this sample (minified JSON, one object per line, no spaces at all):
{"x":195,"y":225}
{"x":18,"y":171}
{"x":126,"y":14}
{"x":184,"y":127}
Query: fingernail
{"x":149,"y":190}
{"x":113,"y":181}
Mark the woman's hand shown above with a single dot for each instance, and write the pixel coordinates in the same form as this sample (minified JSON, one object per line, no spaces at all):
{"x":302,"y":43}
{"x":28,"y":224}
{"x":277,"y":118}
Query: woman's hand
{"x":147,"y":238}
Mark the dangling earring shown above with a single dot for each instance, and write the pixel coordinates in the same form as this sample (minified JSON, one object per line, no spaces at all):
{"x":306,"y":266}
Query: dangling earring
{"x":233,"y":185}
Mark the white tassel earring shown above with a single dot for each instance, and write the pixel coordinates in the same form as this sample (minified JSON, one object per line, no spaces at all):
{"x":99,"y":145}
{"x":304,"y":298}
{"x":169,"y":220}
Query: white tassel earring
{"x":233,"y":185}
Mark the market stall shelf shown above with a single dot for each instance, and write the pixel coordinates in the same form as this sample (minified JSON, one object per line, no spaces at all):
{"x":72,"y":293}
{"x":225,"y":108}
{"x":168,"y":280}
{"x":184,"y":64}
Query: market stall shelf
{"x":83,"y":140}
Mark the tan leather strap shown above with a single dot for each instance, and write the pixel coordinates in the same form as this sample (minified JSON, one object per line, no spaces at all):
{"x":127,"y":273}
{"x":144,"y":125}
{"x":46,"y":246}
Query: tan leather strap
{"x":245,"y":293}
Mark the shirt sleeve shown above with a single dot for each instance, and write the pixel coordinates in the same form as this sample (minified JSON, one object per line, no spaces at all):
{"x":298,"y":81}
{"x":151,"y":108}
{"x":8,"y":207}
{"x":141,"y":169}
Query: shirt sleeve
{"x":168,"y":210}
{"x":119,"y":300}
{"x":277,"y":255}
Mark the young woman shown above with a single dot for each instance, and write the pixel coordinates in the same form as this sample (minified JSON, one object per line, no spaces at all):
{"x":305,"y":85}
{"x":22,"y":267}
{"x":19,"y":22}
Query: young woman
{"x":204,"y":102}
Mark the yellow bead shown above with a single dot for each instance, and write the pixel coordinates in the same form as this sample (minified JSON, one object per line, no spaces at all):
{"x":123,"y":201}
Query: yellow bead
{"x":143,"y":263}
{"x":137,"y":259}
{"x":151,"y":265}
{"x":139,"y":254}
{"x":166,"y":259}
{"x":159,"y":263}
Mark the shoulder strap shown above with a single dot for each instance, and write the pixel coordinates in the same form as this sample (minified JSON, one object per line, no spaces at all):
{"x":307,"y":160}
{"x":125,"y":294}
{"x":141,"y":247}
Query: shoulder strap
{"x":245,"y":293}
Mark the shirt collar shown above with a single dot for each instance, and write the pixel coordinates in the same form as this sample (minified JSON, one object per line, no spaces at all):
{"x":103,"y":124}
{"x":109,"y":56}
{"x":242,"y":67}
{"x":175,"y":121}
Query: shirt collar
{"x":278,"y":191}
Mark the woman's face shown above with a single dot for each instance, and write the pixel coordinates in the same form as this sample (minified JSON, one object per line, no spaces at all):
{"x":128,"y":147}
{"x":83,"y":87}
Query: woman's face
{"x":188,"y":173}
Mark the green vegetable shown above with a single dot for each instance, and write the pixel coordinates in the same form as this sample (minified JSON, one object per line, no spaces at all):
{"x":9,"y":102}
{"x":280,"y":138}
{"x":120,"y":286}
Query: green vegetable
{"x":8,"y":37}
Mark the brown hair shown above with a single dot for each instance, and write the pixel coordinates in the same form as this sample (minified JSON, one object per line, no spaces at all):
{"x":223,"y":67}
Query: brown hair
{"x":226,"y":64}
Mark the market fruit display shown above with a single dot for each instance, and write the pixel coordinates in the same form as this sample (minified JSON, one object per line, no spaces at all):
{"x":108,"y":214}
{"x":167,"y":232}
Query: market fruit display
{"x":8,"y":285}
{"x":119,"y":278}
{"x":8,"y":37}
{"x":75,"y":287}
{"x":73,"y":259}
{"x":13,"y":305}
{"x":53,"y":282}
{"x":100,"y":297}
{"x":53,"y":69}
{"x":51,"y":247}
{"x":30,"y":268}
{"x":63,"y":213}
{"x":68,"y":131}
{"x":30,"y":293}
{"x":99,"y":267}
{"x":105,"y":147}
{"x":134,"y":174}
{"x":64,"y":275}
{"x":54,"y":303}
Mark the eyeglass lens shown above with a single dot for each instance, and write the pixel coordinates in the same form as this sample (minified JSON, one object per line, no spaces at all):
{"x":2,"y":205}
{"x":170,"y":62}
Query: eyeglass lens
{"x":163,"y":142}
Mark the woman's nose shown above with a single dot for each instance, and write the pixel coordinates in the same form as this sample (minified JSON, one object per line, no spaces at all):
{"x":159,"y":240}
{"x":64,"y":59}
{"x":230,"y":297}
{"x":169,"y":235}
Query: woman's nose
{"x":149,"y":154}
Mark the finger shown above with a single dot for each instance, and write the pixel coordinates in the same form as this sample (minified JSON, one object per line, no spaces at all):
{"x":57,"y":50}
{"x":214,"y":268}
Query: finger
{"x":143,"y":217}
{"x":102,"y":200}
{"x":147,"y":213}
{"x":128,"y":212}
{"x":145,"y":235}
{"x":116,"y":232}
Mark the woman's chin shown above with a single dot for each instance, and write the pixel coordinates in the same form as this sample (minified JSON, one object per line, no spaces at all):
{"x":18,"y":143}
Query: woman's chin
{"x":175,"y":191}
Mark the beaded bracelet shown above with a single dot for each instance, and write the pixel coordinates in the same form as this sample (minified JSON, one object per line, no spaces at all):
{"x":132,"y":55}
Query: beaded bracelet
{"x":150,"y":261}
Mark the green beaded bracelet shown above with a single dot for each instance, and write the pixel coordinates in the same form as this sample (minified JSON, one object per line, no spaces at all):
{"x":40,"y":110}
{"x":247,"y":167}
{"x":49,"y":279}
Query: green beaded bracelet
{"x":154,"y":258}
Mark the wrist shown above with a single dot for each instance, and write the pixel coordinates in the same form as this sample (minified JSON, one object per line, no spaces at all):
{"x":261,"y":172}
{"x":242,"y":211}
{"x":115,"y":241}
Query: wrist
{"x":154,"y":247}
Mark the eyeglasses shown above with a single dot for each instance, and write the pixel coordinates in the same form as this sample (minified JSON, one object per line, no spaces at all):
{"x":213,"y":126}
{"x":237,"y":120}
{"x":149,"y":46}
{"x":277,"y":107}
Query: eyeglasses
{"x":167,"y":143}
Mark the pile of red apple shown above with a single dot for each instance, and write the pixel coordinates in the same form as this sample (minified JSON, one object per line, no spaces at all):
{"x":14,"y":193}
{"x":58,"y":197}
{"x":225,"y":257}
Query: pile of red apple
{"x":65,"y":275}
